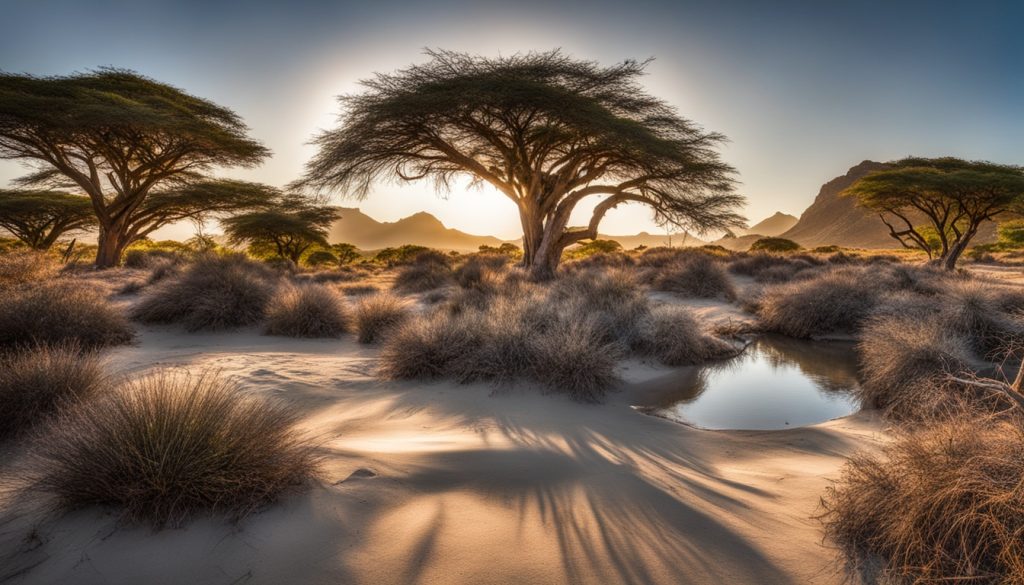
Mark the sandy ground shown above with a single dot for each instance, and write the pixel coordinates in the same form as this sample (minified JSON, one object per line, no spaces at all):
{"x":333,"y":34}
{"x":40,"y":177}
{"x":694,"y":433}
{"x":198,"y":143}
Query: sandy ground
{"x":441,"y":483}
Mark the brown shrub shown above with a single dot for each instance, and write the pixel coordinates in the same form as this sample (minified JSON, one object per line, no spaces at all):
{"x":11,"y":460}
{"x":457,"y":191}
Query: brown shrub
{"x":309,"y":310}
{"x":377,"y":315}
{"x":60,"y":311}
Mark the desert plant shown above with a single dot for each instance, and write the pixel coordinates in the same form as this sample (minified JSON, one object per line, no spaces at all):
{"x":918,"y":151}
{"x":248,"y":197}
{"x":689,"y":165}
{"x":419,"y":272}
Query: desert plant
{"x":22,"y":266}
{"x":697,"y":275}
{"x":308,"y":310}
{"x":214,"y":292}
{"x":975,"y":309}
{"x":675,"y":338}
{"x":572,"y":358}
{"x":939,"y":504}
{"x":833,"y":302}
{"x":426,"y":347}
{"x":754,"y":264}
{"x":60,"y":311}
{"x":422,"y":277}
{"x":169,"y":446}
{"x":377,"y":315}
{"x":38,"y":382}
{"x":774,"y":245}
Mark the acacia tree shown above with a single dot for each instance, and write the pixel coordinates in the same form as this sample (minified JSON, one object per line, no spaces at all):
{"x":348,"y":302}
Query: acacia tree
{"x":40,"y":218}
{"x":954,"y":196}
{"x":119,"y":137}
{"x":547,"y":131}
{"x":289,"y":227}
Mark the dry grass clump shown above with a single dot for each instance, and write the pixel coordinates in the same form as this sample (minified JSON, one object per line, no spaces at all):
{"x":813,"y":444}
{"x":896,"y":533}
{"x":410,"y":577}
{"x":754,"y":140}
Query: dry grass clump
{"x":482,"y":271}
{"x":673,"y":336}
{"x":377,"y":315}
{"x":423,"y":276}
{"x":940,"y":504}
{"x":37,"y":383}
{"x":754,"y":264}
{"x":613,"y":298}
{"x":976,"y":309}
{"x":601,"y":260}
{"x":23,"y":266}
{"x":167,"y":447}
{"x":427,"y":347}
{"x":573,"y":359}
{"x":307,"y":310}
{"x":905,"y":361}
{"x":58,"y":311}
{"x":832,"y":302}
{"x":696,"y":275}
{"x":214,"y":292}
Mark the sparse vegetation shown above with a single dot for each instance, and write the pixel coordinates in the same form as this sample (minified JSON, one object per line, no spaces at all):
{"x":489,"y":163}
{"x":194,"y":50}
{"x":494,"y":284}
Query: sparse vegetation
{"x":58,"y":311}
{"x":675,"y":338}
{"x":307,"y":310}
{"x":36,"y":383}
{"x":214,"y":292}
{"x":774,"y":245}
{"x":23,"y":266}
{"x":696,"y":275}
{"x":377,"y":315}
{"x":167,"y":447}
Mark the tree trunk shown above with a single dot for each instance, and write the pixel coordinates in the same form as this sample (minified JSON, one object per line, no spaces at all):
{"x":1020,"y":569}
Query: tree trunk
{"x":533,"y":232}
{"x":549,"y":252}
{"x":958,"y":248}
{"x":112,"y":242}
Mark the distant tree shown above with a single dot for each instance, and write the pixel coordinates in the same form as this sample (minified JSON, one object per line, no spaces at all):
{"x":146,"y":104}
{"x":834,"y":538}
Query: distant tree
{"x":547,"y":131}
{"x":122,"y":139}
{"x":774,"y":245}
{"x":592,"y":247}
{"x":345,"y":253}
{"x":400,"y":255}
{"x":321,"y":258}
{"x":1011,"y":233}
{"x":40,"y":218}
{"x":954,"y":196}
{"x":289,"y":227}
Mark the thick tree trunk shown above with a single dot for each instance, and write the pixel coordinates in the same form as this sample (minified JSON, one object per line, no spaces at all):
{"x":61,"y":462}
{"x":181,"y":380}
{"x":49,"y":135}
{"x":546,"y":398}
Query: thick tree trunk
{"x":959,"y":246}
{"x":112,"y":242}
{"x":533,"y":232}
{"x":549,"y":252}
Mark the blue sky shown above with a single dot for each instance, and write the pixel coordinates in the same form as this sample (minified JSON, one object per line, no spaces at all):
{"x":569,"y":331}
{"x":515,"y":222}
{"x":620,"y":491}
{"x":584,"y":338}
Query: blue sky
{"x":804,"y":90}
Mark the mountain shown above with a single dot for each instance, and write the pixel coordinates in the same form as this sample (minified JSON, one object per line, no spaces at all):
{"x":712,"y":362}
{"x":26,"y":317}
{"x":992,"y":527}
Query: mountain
{"x":739,"y":243}
{"x":423,"y":229}
{"x":771,"y":226}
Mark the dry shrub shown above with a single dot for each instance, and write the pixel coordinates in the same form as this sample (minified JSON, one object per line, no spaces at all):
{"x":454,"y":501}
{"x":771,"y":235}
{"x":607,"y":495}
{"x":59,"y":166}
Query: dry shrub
{"x":37,"y":383}
{"x":905,"y":362}
{"x":421,"y":277}
{"x":214,"y":292}
{"x":481,"y":270}
{"x":940,"y":504}
{"x":833,"y":302}
{"x":167,"y":447}
{"x":613,"y":299}
{"x":378,"y":315}
{"x":427,"y":347}
{"x":572,"y":358}
{"x":59,"y":311}
{"x":696,"y":275}
{"x":358,"y":290}
{"x":600,"y":260}
{"x":754,"y":264}
{"x":24,"y":266}
{"x":673,"y":336}
{"x":307,"y":310}
{"x":975,"y":310}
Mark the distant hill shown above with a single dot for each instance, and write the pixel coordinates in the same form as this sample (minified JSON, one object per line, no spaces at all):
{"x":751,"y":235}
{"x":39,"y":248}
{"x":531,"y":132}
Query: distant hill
{"x":771,"y":226}
{"x":422,"y":229}
{"x":738,"y":244}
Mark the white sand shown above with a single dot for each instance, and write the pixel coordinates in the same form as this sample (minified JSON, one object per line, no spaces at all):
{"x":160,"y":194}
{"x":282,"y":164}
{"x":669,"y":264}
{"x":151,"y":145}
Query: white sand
{"x":470,"y":486}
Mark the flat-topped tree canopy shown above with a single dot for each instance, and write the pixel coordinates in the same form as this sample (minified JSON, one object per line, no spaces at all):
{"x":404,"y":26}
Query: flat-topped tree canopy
{"x":954,"y":196}
{"x":39,"y":218}
{"x":546,"y":130}
{"x":287,"y":227}
{"x":118,"y":136}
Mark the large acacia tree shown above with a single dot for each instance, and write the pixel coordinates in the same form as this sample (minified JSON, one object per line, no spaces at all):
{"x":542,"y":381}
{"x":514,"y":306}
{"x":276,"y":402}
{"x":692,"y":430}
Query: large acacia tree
{"x":119,"y":137}
{"x":549,"y":132}
{"x":955,"y":197}
{"x":40,"y":218}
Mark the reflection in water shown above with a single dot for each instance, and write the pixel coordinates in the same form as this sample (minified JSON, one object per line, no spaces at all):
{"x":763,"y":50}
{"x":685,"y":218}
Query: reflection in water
{"x":776,"y":383}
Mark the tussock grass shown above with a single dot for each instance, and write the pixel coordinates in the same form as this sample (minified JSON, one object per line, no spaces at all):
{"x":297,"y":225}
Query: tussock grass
{"x":167,"y":447}
{"x":833,"y":302}
{"x":427,"y":347}
{"x":612,"y":298}
{"x":673,"y":336}
{"x":307,"y":310}
{"x":214,"y":292}
{"x":573,"y":359}
{"x":976,"y":310}
{"x":482,"y":271}
{"x":377,"y":315}
{"x":421,"y":277}
{"x":24,"y":266}
{"x":59,"y":311}
{"x":940,"y":504}
{"x":37,"y":383}
{"x":696,"y":275}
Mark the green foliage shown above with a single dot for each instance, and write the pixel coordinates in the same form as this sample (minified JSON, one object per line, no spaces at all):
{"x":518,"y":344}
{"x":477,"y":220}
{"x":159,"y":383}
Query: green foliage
{"x":40,"y":218}
{"x":345,"y":253}
{"x":321,"y":258}
{"x":774,"y":245}
{"x":1011,"y":233}
{"x":287,"y":228}
{"x":590,"y":248}
{"x":93,"y":129}
{"x":508,"y":249}
{"x":401,"y":255}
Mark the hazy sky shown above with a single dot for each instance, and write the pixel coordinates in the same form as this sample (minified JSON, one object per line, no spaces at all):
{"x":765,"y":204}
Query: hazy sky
{"x":804,"y":90}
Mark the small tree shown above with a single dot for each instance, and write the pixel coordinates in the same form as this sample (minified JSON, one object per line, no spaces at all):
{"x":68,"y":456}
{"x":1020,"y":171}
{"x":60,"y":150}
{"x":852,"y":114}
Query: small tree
{"x":547,"y":131}
{"x":288,"y":228}
{"x":345,"y":253}
{"x":954,"y":196}
{"x":40,"y":218}
{"x":121,"y":138}
{"x":774,"y":245}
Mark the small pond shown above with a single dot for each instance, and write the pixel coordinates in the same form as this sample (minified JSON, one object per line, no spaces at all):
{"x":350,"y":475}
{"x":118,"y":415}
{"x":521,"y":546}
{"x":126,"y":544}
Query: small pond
{"x":776,"y":383}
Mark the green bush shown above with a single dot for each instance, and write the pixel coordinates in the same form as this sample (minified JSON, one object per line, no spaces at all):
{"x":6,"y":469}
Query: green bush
{"x":774,"y":245}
